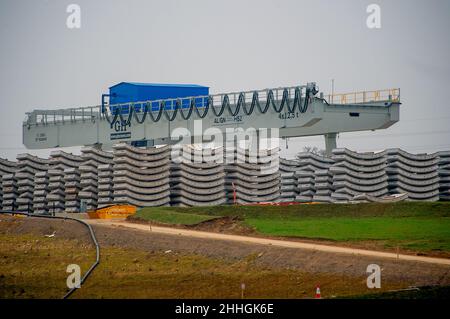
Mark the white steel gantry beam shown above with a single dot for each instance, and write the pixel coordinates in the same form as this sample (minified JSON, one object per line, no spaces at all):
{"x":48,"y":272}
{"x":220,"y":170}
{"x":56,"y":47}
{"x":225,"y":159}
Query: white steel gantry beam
{"x":294,"y":111}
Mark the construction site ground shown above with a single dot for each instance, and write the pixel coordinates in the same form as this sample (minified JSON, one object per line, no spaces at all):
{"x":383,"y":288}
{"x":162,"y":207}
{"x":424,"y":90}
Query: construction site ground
{"x":139,"y":262}
{"x":413,"y":228}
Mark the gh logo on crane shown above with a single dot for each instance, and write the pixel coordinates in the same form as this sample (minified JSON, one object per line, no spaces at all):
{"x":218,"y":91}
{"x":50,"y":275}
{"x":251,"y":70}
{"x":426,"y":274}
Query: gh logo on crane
{"x":120,"y":126}
{"x":120,"y":130}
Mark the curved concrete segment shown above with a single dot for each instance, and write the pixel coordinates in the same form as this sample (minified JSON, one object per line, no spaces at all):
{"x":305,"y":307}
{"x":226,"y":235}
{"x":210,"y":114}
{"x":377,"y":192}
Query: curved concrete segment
{"x":201,"y":185}
{"x":126,"y":180}
{"x":146,"y":164}
{"x":141,"y":151}
{"x":93,"y":152}
{"x":213,"y":192}
{"x":186,"y":202}
{"x":201,"y":170}
{"x":190,"y":154}
{"x":366,"y":156}
{"x":383,"y":199}
{"x":140,"y":191}
{"x":164,"y":174}
{"x":127,"y":200}
{"x":196,"y":178}
{"x":209,"y":198}
{"x":257,"y":183}
{"x":410,"y":156}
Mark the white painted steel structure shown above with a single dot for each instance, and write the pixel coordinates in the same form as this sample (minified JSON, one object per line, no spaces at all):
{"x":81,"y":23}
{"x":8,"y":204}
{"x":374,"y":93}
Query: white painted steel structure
{"x":295,"y":111}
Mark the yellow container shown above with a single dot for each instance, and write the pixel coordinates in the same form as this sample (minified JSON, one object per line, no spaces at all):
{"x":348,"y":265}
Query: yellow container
{"x":114,"y":211}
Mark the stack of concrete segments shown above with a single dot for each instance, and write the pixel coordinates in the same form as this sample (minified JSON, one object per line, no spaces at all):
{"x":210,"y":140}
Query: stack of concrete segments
{"x":309,"y":163}
{"x":40,"y":193}
{"x":358,"y":173}
{"x":7,"y":167}
{"x":93,"y":156}
{"x":444,"y":175}
{"x":71,"y":190}
{"x":141,"y":176}
{"x":56,"y":197}
{"x":323,"y":185}
{"x":89,"y":175}
{"x":88,"y":186}
{"x":289,"y":190}
{"x":252,"y":177}
{"x":414,"y":174}
{"x":10,"y":193}
{"x":8,"y":184}
{"x":28,"y":166}
{"x":197,"y":180}
{"x":105,"y":185}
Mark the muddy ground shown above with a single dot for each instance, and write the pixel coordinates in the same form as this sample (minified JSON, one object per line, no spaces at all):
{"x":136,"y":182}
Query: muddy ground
{"x":409,"y":273}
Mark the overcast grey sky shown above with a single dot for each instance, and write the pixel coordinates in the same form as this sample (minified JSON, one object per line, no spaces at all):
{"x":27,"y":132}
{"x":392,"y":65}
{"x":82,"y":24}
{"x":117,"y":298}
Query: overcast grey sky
{"x":230,"y":45}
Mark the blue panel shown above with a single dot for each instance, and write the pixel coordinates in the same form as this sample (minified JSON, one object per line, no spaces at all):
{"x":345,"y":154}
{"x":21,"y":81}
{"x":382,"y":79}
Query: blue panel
{"x":127,"y":92}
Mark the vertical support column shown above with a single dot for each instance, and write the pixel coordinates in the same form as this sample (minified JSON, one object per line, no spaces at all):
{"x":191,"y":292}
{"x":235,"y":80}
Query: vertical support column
{"x":330,"y":143}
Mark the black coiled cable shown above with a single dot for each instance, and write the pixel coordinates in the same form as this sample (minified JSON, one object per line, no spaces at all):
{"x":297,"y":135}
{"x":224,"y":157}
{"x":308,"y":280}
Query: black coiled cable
{"x":297,"y":103}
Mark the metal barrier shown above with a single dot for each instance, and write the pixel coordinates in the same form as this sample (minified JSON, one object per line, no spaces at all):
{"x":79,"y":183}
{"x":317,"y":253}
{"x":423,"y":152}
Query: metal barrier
{"x":391,"y":95}
{"x":91,"y":232}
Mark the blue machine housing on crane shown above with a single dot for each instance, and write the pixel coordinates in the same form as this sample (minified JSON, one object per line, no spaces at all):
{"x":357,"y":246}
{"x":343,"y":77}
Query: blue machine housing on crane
{"x":121,"y":95}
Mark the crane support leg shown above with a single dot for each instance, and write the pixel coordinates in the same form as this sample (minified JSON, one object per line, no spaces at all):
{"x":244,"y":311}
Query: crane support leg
{"x":330,"y":143}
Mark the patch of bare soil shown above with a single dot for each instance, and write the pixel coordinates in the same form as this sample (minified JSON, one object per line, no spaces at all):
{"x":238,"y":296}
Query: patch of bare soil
{"x":228,"y":225}
{"x":232,"y":225}
{"x":407,"y":272}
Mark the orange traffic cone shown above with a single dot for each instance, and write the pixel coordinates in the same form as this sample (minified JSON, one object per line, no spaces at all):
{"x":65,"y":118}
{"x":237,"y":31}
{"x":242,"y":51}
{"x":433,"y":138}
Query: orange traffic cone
{"x":318,"y":296}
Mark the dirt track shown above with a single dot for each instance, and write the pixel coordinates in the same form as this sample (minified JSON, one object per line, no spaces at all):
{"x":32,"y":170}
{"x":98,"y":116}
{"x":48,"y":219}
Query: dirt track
{"x":265,"y":241}
{"x":412,"y":273}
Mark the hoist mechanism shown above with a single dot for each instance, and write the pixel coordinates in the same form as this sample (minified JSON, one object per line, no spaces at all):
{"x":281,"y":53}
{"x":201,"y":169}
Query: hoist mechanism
{"x":290,"y":112}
